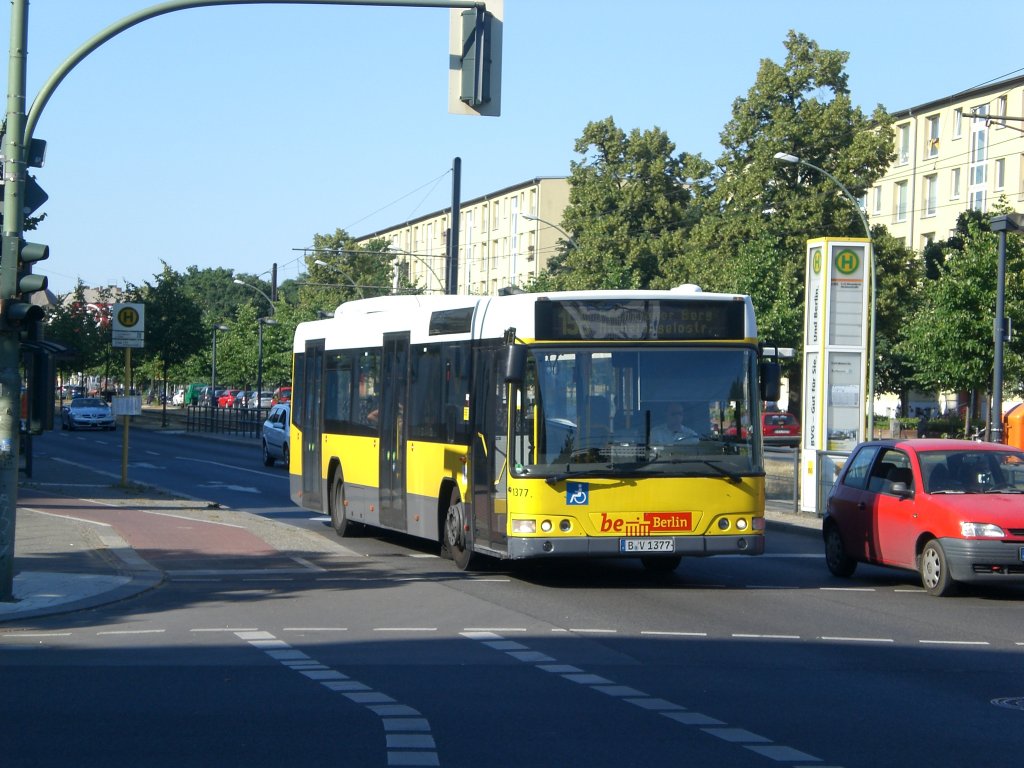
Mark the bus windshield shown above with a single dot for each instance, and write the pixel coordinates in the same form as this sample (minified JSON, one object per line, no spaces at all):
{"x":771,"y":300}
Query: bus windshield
{"x":670,"y":410}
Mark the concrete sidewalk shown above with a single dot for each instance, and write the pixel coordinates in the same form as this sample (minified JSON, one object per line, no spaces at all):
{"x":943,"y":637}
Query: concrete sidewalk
{"x":82,"y":541}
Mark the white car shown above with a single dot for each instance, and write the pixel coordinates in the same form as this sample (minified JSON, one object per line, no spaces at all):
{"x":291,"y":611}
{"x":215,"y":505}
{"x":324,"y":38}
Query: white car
{"x":87,"y":413}
{"x":178,"y":398}
{"x":275,"y":435}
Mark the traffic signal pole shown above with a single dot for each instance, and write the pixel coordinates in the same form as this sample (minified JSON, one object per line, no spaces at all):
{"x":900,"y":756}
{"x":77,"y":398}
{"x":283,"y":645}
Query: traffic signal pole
{"x":19,"y":128}
{"x":13,"y":224}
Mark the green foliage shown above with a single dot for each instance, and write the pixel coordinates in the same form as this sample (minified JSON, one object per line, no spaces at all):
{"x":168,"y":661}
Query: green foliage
{"x":948,"y":340}
{"x":629,"y":209}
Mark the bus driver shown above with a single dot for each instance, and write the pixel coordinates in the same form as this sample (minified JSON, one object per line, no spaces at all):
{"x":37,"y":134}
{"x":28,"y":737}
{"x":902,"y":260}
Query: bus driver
{"x":673,"y":430}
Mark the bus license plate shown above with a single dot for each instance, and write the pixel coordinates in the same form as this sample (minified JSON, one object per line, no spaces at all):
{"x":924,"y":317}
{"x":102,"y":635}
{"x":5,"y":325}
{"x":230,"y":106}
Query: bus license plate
{"x":646,"y":545}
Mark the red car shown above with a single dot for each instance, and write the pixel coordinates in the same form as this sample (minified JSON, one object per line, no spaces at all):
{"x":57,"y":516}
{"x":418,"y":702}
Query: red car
{"x":952,"y":510}
{"x":780,"y":428}
{"x":227,"y":400}
{"x":777,"y":427}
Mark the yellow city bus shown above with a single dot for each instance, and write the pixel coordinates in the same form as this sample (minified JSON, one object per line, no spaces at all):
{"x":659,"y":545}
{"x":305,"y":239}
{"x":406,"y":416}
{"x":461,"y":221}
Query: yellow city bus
{"x":533,"y":425}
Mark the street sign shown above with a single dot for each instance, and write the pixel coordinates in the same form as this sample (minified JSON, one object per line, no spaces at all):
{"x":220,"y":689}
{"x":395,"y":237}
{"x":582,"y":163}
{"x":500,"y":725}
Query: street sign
{"x":128,"y":326}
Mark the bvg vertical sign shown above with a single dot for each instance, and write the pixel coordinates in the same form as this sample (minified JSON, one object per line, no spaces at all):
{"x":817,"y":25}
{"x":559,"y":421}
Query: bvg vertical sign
{"x":835,"y":339}
{"x":128,"y":326}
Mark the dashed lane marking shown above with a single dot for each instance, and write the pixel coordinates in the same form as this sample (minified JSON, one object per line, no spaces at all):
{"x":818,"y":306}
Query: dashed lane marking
{"x":754,"y":742}
{"x":408,"y":740}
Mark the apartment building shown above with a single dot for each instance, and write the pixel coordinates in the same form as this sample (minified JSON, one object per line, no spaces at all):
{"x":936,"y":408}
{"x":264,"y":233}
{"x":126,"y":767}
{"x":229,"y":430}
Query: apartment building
{"x":958,"y":152}
{"x":505,"y":238}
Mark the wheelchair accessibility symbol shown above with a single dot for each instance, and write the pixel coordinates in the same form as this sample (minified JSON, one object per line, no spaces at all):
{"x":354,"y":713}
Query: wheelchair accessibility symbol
{"x":577,"y":494}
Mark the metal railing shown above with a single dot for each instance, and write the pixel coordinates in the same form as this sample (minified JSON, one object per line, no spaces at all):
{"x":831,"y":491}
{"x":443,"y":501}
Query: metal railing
{"x":243,"y":422}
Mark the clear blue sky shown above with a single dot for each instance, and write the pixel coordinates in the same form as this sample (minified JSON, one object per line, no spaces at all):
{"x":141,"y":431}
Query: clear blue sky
{"x":227,"y":137}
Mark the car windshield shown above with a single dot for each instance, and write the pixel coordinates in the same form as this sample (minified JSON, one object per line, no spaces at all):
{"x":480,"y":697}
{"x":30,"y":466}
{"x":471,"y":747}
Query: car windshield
{"x":88,"y":402}
{"x":665,"y":410}
{"x":972,"y":471}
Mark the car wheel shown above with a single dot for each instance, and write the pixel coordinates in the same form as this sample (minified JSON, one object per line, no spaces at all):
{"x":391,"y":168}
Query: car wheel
{"x":284,"y":455}
{"x":268,"y":460}
{"x":935,"y":576}
{"x":836,"y":558}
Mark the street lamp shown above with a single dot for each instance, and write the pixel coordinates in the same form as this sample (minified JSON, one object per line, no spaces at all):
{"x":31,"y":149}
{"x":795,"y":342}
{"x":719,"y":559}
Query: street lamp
{"x":568,"y":237}
{"x":260,"y":322}
{"x":213,"y":365}
{"x":273,"y":309}
{"x":396,"y":252}
{"x":322,"y":263}
{"x":787,"y":158}
{"x":1011,"y":222}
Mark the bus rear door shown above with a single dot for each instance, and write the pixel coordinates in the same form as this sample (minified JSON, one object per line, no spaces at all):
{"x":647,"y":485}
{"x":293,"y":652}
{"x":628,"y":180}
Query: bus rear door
{"x":312,"y":424}
{"x":395,"y":382}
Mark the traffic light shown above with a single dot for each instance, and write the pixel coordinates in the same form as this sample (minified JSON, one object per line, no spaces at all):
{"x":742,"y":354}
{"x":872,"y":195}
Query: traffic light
{"x":18,"y":310}
{"x":476,"y":57}
{"x":475,"y":43}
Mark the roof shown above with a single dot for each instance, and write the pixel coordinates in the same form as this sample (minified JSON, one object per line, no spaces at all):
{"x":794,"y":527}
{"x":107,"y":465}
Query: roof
{"x":956,"y":98}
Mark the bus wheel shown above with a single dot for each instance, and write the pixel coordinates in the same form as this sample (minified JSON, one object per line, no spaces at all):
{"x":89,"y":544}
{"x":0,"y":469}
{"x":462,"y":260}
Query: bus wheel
{"x":340,"y":522}
{"x":661,"y":564}
{"x":455,"y":544}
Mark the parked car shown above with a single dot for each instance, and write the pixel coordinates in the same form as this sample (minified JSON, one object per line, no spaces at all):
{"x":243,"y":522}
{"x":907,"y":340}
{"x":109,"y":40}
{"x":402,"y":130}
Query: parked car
{"x":226,"y":399}
{"x":777,"y":428}
{"x":178,"y":398}
{"x":265,"y":399}
{"x":275,"y":435}
{"x":780,"y":428}
{"x":87,"y":413}
{"x":282,"y":395}
{"x":952,"y":510}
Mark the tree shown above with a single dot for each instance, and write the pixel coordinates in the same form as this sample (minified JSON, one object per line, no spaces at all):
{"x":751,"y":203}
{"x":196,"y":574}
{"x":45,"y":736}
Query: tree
{"x":758,"y":214}
{"x":949,"y":338}
{"x":80,"y":328}
{"x":629,"y":209}
{"x":346,"y":271}
{"x":174,"y":322}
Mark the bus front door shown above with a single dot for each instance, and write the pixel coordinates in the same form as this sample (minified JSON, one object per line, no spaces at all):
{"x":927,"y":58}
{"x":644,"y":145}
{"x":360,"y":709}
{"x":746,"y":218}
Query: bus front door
{"x":312,"y":424}
{"x":395,"y":382}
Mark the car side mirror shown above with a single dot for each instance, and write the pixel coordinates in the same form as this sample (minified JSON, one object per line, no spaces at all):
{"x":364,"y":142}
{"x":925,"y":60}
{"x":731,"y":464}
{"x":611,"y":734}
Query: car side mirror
{"x":901,"y":489}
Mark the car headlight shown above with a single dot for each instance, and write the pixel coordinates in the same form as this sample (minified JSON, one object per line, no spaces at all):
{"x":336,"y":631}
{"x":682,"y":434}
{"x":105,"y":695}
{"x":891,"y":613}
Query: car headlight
{"x":982,"y":530}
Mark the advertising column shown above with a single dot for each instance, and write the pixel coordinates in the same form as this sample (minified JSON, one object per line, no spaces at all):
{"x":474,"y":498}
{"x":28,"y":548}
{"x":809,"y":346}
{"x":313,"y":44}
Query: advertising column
{"x":835,"y":339}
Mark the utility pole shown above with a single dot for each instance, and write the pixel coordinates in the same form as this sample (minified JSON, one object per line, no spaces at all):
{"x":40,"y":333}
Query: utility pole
{"x":13,"y":224}
{"x":452,"y":273}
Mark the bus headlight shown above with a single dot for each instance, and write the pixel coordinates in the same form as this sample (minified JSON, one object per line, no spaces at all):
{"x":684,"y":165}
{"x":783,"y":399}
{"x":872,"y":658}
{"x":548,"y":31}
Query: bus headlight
{"x":565,"y":526}
{"x":524,"y":526}
{"x":741,"y":524}
{"x":546,"y":526}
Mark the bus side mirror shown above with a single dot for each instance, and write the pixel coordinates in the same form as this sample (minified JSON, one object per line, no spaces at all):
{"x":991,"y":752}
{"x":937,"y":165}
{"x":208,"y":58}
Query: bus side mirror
{"x":515,"y":364}
{"x":771,"y":380}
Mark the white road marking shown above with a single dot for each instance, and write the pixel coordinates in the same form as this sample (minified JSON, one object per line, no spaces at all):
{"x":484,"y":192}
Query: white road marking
{"x":739,"y":736}
{"x":408,"y":740}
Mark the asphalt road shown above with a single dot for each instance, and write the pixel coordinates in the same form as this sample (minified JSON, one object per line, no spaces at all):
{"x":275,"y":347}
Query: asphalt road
{"x":391,"y":656}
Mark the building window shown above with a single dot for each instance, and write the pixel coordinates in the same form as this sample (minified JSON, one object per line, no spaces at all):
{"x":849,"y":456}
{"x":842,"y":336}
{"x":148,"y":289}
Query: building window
{"x":932,"y":150}
{"x":1001,"y":111}
{"x":954,"y":186}
{"x":931,"y":194}
{"x":958,"y":123}
{"x":927,"y":240}
{"x":901,"y":201}
{"x":903,"y":142}
{"x":977,"y":200}
{"x":1000,"y":170}
{"x":877,"y":207}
